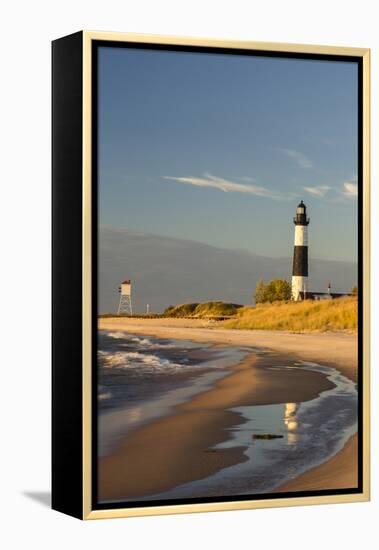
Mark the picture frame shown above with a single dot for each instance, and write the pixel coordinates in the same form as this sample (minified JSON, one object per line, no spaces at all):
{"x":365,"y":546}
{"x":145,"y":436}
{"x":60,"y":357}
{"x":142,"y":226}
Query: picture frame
{"x":76,"y":81}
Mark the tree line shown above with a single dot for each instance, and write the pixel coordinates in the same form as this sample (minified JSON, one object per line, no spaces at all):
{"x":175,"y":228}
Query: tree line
{"x":278,"y":290}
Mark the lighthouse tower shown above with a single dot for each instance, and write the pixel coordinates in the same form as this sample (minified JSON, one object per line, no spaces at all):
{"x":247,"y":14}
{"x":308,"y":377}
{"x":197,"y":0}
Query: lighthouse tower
{"x":125,"y":305}
{"x":300,"y":254}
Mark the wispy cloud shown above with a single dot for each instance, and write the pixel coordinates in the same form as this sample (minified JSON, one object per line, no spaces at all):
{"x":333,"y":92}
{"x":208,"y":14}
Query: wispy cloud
{"x":350,"y":189}
{"x":318,"y":190}
{"x":301,"y":159}
{"x":228,"y":186}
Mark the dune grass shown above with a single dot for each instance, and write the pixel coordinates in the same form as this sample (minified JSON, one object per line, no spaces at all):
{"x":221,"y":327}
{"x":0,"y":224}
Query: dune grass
{"x":321,"y":316}
{"x":203,"y":311}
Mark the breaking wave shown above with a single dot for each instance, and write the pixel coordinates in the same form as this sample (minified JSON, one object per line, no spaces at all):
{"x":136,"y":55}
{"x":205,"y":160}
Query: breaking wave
{"x":146,"y":362}
{"x":143,"y":343}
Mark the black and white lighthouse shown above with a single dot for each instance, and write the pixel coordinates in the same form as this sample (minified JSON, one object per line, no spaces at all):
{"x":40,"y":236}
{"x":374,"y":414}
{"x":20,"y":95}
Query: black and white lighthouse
{"x":300,"y":254}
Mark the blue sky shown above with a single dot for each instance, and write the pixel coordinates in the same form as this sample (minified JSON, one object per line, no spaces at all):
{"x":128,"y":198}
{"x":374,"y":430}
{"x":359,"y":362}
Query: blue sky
{"x":220,"y":149}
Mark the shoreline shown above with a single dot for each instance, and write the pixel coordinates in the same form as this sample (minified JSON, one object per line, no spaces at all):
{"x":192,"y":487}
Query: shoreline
{"x":170,"y":439}
{"x":334,"y":349}
{"x":181,"y":442}
{"x":318,"y":477}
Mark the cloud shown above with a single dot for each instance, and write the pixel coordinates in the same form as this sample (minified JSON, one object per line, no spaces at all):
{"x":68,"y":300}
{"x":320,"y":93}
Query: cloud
{"x":350,"y":189}
{"x":228,"y":186}
{"x":298,"y":157}
{"x":317,"y":191}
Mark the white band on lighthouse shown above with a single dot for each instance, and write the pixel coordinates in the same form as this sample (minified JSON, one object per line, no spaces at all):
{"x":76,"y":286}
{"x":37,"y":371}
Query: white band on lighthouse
{"x":301,"y":235}
{"x":299,"y":284}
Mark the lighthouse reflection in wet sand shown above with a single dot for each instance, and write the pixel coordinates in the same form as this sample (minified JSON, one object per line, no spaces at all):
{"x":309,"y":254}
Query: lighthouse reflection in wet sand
{"x":300,"y":254}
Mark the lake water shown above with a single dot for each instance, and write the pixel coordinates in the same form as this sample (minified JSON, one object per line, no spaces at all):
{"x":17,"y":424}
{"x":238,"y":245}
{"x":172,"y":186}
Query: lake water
{"x":143,"y":378}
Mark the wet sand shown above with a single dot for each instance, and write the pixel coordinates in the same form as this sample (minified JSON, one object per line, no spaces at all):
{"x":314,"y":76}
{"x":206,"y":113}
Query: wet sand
{"x":178,"y":446}
{"x":339,"y":472}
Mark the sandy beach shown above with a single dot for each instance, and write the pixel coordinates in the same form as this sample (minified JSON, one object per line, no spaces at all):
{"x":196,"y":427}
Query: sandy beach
{"x":181,"y":443}
{"x":339,"y":350}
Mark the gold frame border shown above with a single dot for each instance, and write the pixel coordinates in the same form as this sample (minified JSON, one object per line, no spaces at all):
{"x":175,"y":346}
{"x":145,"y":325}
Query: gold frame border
{"x":364,"y":53}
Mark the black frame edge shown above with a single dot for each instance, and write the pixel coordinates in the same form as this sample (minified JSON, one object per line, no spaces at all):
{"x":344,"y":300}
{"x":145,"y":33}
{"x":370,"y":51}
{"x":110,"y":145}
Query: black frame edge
{"x":67,"y":132}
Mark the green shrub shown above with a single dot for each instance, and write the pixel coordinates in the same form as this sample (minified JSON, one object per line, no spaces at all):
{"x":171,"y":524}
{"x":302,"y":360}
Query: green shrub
{"x":275,"y":290}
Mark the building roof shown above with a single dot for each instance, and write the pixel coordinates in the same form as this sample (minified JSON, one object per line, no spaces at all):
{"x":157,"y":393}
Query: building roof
{"x":126,"y":282}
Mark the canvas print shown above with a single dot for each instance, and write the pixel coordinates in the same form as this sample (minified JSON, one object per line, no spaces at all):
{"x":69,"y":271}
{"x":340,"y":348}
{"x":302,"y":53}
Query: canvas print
{"x":228,"y":191}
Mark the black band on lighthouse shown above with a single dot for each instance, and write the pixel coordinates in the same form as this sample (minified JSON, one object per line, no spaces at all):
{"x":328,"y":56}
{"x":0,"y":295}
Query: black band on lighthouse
{"x":300,"y":261}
